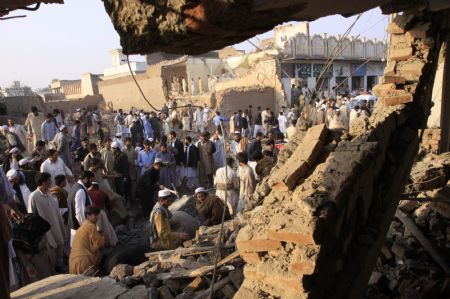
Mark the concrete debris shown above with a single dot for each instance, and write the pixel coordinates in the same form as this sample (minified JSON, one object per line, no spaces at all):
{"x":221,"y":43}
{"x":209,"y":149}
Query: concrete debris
{"x":415,"y":256}
{"x":186,"y":272}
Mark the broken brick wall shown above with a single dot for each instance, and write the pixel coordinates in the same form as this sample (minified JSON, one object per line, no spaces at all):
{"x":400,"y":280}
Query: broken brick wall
{"x":321,"y":218}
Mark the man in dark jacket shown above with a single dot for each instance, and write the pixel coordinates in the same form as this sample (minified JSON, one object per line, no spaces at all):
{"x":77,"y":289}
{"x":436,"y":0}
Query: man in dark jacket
{"x":121,"y":168}
{"x":191,"y":161}
{"x":178,"y":154}
{"x":255,"y":147}
{"x":147,"y":186}
{"x":258,"y":122}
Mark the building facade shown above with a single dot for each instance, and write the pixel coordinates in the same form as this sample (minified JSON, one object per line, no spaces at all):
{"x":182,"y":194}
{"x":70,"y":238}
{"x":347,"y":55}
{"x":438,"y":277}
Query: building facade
{"x":357,"y":63}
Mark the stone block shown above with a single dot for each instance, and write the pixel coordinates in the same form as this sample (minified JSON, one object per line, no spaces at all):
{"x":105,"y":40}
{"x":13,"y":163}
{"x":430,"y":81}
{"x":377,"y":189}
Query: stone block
{"x":397,"y":100}
{"x":390,"y":68}
{"x":289,"y":236}
{"x":257,"y":245}
{"x":251,"y":257}
{"x":303,"y":267}
{"x":401,"y":54}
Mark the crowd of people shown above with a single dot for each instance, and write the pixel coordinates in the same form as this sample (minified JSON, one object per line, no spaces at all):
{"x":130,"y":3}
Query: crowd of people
{"x":67,"y":180}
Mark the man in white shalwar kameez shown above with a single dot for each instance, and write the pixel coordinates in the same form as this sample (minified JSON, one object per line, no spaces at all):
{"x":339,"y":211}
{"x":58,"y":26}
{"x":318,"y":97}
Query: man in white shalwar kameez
{"x":219,"y":154}
{"x":227,"y":186}
{"x":41,"y":202}
{"x":198,"y":120}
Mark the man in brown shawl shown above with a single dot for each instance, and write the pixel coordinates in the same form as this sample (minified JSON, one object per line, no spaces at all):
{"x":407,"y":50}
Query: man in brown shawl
{"x":87,"y":247}
{"x":210,"y":208}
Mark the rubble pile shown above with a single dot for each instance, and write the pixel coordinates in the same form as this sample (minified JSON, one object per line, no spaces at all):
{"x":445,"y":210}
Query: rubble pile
{"x":414,"y":261}
{"x":186,"y":272}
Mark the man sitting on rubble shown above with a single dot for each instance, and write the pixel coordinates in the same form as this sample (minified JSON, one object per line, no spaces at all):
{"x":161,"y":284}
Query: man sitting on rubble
{"x":161,"y":235}
{"x":210,"y":208}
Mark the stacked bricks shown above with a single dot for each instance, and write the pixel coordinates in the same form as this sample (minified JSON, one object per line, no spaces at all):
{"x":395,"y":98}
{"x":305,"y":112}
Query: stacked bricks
{"x":325,"y":213}
{"x":431,"y":139}
{"x":407,"y":57}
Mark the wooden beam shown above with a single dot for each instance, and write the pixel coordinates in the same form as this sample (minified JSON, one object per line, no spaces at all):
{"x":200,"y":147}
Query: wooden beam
{"x":409,"y":224}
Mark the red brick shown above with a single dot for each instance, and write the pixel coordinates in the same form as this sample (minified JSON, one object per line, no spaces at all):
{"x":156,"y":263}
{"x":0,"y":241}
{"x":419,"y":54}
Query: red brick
{"x":304,"y":267}
{"x":257,"y":245}
{"x":274,"y":253}
{"x":276,"y":280}
{"x":294,"y":237}
{"x":397,"y":100}
{"x":296,"y":167}
{"x":251,"y":257}
{"x":401,"y":54}
{"x":392,"y":79}
{"x":414,"y":68}
{"x":389,"y":70}
{"x":395,"y":29}
{"x":383,"y":89}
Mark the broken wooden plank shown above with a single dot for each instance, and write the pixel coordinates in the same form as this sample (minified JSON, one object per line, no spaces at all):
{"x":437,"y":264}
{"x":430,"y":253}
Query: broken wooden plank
{"x":199,"y":271}
{"x":411,"y":226}
{"x":181,"y":251}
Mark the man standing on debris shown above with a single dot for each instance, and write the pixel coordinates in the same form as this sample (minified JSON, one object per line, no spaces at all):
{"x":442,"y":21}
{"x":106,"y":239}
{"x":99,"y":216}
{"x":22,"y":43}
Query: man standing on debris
{"x":258,"y":122}
{"x":45,"y":205}
{"x":161,"y":235}
{"x":61,"y":142}
{"x":33,"y":125}
{"x":48,"y":129}
{"x":147,"y":185}
{"x":209,"y":207}
{"x":227,"y":185}
{"x":198,"y":120}
{"x":247,"y":181}
{"x":206,"y":150}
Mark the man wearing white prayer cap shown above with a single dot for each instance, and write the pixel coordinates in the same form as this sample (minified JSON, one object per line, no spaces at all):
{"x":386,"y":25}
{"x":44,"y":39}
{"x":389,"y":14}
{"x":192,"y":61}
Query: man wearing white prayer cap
{"x":22,"y":190}
{"x":161,"y":235}
{"x":210,"y":208}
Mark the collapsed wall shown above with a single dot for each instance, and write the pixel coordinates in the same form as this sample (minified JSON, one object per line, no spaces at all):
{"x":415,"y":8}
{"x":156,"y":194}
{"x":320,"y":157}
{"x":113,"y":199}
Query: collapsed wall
{"x":322,"y":216}
{"x":259,"y":85}
{"x":122,"y":93}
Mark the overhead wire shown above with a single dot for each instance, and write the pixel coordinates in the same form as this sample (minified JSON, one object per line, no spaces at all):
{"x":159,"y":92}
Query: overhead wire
{"x":145,"y":98}
{"x":357,"y":36}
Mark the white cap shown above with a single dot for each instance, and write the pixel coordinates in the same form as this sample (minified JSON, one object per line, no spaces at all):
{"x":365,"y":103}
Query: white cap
{"x":158,"y":160}
{"x":237,"y":132}
{"x":13,"y":150}
{"x":200,"y":190}
{"x":78,"y":109}
{"x":12,"y":174}
{"x":163,"y":193}
{"x":115,"y":144}
{"x":24,"y":161}
{"x":150,"y":139}
{"x":62,"y":127}
{"x":118,"y":134}
{"x":94,"y":183}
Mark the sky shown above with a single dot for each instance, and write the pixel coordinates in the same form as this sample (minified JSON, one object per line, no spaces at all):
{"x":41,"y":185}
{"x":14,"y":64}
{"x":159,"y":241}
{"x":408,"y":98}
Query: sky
{"x":65,"y":41}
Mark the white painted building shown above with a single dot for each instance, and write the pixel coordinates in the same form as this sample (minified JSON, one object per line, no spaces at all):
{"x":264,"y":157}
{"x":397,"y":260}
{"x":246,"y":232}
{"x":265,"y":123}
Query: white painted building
{"x":357,"y":65}
{"x":119,"y":66}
